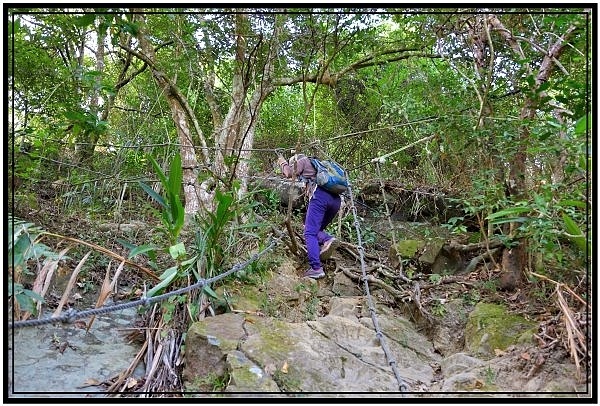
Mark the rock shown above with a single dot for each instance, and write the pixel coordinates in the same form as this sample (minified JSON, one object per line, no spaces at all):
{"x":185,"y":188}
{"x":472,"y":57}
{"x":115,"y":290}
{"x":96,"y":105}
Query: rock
{"x":431,"y":251}
{"x":334,"y":353}
{"x":207,"y":344}
{"x":459,"y":363}
{"x":246,"y":376}
{"x":408,"y":248}
{"x":491,"y":326}
{"x":447,"y":333}
{"x":344,"y":286}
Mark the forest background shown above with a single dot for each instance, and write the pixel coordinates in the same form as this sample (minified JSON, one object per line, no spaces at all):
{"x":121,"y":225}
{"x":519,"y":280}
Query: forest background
{"x":167,"y":116}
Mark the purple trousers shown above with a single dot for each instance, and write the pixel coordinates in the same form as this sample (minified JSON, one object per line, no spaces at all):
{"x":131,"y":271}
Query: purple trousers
{"x":322,"y":208}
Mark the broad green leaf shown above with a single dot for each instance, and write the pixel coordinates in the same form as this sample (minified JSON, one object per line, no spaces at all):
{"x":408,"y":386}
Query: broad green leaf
{"x":508,"y":212}
{"x":177,"y":250}
{"x":26,"y":303}
{"x":21,"y":251}
{"x":180,"y":214}
{"x":167,"y":273}
{"x":582,"y":124}
{"x":225,"y":201}
{"x":34,"y":295}
{"x":175,"y":176}
{"x":167,"y":277}
{"x":141,"y":250}
{"x":177,"y":212}
{"x":573,"y":229}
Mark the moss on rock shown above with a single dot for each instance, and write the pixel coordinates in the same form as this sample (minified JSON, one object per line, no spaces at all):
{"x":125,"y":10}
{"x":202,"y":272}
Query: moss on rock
{"x":491,"y":326}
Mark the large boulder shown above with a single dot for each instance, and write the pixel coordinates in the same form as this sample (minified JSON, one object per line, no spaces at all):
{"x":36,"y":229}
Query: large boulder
{"x":336,"y":353}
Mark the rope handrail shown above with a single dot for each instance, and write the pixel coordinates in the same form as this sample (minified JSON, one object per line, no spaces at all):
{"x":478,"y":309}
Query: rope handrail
{"x":71,"y":315}
{"x":403,"y":386}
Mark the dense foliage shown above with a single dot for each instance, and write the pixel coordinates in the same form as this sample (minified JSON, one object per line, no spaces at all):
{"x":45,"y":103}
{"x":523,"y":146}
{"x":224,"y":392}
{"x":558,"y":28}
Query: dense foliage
{"x":492,"y":107}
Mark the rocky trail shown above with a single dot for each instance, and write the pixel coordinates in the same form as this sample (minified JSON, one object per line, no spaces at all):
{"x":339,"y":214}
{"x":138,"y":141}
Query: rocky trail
{"x":433,"y":326}
{"x":296,"y":337}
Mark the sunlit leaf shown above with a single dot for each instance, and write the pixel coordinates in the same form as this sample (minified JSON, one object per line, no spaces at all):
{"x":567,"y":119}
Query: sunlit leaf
{"x":177,"y":250}
{"x":166,"y":279}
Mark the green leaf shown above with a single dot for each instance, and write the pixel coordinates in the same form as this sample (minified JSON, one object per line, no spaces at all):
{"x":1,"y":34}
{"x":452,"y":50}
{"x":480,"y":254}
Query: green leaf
{"x":175,"y":176}
{"x":21,"y":251}
{"x":208,"y":290}
{"x":84,"y":20}
{"x":166,"y":279}
{"x":34,"y":295}
{"x":225,"y":201}
{"x":74,"y":115}
{"x":141,"y":250}
{"x":509,"y":220}
{"x":130,"y":28}
{"x":572,"y":203}
{"x":509,"y":212}
{"x":18,"y":288}
{"x":190,"y":261}
{"x":573,"y":229}
{"x":179,"y":219}
{"x":158,"y":198}
{"x":26,"y":303}
{"x":159,"y":172}
{"x":177,"y":250}
{"x":177,"y":212}
{"x":582,"y":124}
{"x":126,"y":244}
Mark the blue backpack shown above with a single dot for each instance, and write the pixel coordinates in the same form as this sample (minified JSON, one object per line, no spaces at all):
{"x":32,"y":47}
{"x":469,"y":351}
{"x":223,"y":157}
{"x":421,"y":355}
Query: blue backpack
{"x":330,"y":176}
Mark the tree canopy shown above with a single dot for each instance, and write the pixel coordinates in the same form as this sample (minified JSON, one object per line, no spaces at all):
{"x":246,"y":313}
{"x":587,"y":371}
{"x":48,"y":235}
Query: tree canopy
{"x":490,"y":104}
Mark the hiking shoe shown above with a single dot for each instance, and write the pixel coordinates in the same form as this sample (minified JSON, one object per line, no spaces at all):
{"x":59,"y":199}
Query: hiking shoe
{"x":328,"y":248}
{"x":314,"y":273}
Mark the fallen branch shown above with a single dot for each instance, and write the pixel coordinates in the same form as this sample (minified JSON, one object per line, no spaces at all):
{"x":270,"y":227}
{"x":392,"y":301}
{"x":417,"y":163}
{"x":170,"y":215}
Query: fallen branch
{"x":476,"y":260}
{"x":372,"y":280}
{"x":453,"y":245}
{"x":576,"y":340}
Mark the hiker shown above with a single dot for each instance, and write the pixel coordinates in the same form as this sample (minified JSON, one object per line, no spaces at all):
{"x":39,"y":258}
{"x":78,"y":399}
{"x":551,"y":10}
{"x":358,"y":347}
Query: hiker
{"x":322,"y":208}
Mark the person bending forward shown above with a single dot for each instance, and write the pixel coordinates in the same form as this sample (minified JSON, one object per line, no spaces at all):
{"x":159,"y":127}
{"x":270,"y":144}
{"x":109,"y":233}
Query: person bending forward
{"x":321,"y":210}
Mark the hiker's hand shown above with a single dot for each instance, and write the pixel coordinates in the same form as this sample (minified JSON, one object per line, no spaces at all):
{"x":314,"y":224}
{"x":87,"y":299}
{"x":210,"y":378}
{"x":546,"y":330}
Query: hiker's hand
{"x":280,"y":157}
{"x":281,"y":160}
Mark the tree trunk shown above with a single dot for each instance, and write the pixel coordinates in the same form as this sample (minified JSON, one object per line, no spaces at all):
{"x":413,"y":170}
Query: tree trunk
{"x":514,"y":260}
{"x":235,"y":135}
{"x":189,"y":161}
